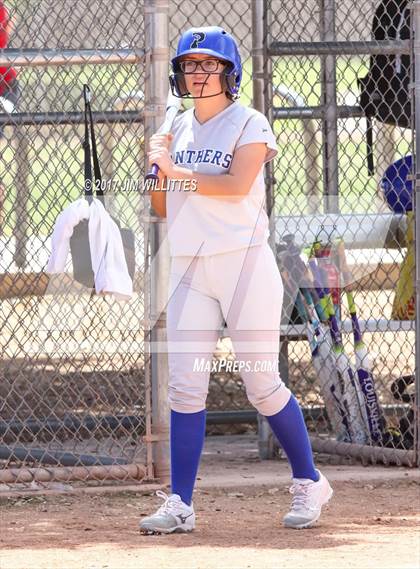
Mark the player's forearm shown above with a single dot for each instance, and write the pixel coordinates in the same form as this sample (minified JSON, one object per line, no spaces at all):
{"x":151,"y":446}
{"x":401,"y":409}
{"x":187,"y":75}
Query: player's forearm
{"x":220,"y":186}
{"x":159,"y":203}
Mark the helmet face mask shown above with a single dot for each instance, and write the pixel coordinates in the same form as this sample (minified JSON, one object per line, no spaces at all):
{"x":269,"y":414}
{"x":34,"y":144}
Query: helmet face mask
{"x":217,"y":44}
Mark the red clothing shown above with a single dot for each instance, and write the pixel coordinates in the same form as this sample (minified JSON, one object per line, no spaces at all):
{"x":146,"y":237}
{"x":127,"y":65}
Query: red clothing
{"x":7,"y":74}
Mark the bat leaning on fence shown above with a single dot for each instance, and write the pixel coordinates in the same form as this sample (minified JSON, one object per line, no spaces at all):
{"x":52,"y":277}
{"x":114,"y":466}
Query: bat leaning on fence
{"x":320,"y":343}
{"x":173,"y":104}
{"x":351,"y":389}
{"x":299,"y":285}
{"x":374,"y":414}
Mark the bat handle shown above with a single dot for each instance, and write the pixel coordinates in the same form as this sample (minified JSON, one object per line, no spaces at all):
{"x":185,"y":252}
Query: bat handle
{"x":153,"y":174}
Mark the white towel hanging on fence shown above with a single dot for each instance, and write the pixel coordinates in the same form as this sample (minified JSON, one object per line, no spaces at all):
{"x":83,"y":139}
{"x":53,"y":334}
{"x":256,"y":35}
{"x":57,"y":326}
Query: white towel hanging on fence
{"x":106,"y":247}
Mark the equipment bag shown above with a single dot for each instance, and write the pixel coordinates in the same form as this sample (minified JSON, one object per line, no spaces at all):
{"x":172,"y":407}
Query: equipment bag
{"x":79,"y":241}
{"x":400,"y":390}
{"x":384,"y":91}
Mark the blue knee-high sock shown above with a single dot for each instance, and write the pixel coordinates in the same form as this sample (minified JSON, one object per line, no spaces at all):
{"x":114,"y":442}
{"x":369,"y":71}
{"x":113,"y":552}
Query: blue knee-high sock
{"x":289,"y":427}
{"x":187,"y":434}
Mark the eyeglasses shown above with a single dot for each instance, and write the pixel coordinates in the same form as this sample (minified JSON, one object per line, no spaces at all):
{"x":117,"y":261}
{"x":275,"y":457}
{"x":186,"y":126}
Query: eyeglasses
{"x":207,"y":65}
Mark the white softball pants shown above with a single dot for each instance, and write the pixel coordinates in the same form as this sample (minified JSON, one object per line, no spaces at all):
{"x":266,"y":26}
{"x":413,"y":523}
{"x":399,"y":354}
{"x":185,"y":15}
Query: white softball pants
{"x":245,"y":288}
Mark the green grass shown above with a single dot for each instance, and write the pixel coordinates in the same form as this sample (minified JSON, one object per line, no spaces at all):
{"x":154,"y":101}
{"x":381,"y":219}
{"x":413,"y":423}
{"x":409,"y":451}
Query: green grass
{"x":56,"y":166}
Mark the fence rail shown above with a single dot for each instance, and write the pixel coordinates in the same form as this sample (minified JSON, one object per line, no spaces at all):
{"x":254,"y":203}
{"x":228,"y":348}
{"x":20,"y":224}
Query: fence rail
{"x":52,"y":57}
{"x":385,"y":47}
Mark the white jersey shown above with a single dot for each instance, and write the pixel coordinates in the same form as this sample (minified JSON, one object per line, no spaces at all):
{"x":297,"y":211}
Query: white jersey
{"x":202,"y":225}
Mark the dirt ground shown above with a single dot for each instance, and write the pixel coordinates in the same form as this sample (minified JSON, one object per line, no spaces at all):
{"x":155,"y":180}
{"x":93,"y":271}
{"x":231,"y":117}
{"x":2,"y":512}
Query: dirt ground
{"x":372,"y":521}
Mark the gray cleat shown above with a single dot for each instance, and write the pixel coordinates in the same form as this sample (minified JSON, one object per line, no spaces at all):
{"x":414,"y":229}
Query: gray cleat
{"x":308,"y":499}
{"x":174,"y":516}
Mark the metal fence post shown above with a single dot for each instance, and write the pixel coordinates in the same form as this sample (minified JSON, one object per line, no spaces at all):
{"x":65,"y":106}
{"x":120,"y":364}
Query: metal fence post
{"x":262,"y":97}
{"x":262,"y":93}
{"x":258,"y":55}
{"x":156,"y":14}
{"x":416,"y":18}
{"x":20,"y":230}
{"x":329,"y":102}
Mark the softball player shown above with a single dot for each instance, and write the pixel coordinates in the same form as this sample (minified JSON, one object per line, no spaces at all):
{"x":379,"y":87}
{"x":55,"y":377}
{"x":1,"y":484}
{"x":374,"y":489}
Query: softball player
{"x":222,"y":269}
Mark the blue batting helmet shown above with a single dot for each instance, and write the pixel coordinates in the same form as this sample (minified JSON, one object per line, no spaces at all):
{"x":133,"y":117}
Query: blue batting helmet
{"x":397,"y":187}
{"x":214,"y":41}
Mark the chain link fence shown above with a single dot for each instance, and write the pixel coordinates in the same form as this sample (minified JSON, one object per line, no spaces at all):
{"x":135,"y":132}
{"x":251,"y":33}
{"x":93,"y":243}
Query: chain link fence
{"x":75,"y":375}
{"x":325,"y":191}
{"x":73,"y":388}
